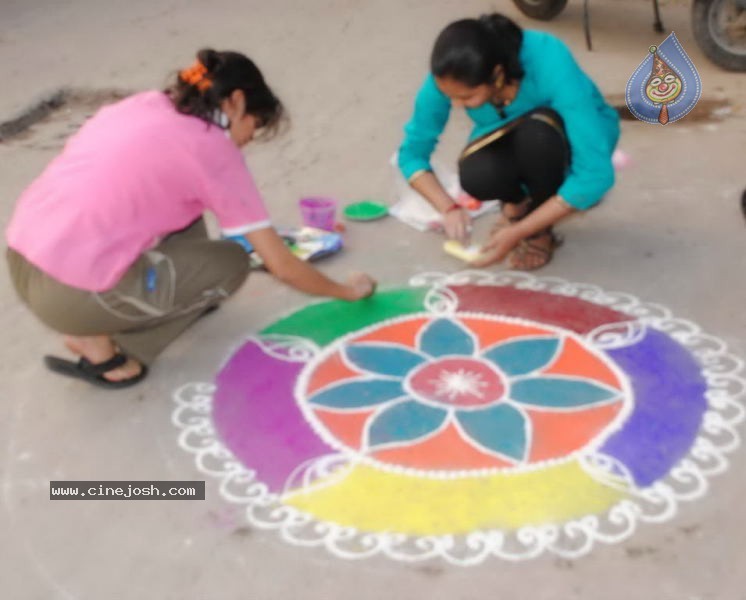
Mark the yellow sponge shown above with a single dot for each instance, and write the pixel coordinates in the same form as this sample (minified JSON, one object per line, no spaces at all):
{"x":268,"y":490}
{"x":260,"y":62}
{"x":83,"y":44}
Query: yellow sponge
{"x":467,"y":254}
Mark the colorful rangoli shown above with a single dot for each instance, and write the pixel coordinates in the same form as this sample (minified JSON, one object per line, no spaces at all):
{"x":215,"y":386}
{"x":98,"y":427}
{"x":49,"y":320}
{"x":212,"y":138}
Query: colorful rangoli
{"x":467,"y":416}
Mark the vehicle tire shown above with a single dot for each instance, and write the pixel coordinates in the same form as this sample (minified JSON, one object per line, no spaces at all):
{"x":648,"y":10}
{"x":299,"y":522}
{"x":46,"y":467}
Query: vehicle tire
{"x":719,"y":27}
{"x":544,"y":10}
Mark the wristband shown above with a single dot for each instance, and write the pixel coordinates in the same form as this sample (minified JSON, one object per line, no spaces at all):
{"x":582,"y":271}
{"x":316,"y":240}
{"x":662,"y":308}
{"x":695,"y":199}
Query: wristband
{"x":451,"y":208}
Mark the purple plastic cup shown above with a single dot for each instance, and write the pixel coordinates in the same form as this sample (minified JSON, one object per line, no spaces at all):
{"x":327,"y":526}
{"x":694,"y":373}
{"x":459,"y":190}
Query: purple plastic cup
{"x":318,"y":212}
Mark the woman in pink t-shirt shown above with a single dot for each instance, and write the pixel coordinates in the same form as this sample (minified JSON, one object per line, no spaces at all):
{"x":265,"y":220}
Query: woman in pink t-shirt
{"x":108,"y":245}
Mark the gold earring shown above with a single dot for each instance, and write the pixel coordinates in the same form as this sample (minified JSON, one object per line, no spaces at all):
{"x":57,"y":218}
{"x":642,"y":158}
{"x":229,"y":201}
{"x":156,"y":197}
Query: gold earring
{"x":500,"y":80}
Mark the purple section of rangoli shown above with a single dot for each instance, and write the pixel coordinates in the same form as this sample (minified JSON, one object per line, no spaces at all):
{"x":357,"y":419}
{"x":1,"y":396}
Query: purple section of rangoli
{"x":669,"y":396}
{"x":256,"y":416}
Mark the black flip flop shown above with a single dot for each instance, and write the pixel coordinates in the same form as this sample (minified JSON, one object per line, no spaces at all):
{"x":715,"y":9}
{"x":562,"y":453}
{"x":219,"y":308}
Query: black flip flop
{"x":87,"y":371}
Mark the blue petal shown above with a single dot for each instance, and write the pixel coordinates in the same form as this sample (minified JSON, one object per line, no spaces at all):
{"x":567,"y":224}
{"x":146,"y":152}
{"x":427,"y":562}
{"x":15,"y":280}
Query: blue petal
{"x":553,"y":392}
{"x":358,"y":394}
{"x":444,"y":336}
{"x":522,"y":356}
{"x":404,"y":422}
{"x":383,"y":360}
{"x":500,"y":428}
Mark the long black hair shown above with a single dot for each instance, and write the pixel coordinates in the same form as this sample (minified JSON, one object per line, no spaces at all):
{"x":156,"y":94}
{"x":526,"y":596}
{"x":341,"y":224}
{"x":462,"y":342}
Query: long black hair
{"x":469,"y":50}
{"x":225,"y":72}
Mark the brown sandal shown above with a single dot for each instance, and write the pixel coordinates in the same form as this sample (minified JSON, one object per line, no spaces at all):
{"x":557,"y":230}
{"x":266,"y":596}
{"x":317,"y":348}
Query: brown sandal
{"x":518,"y":258}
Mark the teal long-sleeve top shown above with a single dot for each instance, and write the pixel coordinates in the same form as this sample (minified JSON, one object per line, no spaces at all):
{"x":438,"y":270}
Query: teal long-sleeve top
{"x":552,"y":79}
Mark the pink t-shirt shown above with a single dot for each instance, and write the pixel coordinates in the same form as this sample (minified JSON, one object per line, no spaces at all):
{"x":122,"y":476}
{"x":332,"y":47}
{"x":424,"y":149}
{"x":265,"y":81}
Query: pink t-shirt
{"x":135,"y":172}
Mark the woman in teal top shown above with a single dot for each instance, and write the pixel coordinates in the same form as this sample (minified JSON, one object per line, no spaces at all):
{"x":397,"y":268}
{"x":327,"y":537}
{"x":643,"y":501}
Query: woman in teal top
{"x":542,"y":140}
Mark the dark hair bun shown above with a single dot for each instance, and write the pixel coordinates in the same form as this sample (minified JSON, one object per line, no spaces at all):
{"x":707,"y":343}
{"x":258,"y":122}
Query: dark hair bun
{"x":226,"y":72}
{"x":494,"y":21}
{"x":210,"y":58}
{"x":497,"y":24}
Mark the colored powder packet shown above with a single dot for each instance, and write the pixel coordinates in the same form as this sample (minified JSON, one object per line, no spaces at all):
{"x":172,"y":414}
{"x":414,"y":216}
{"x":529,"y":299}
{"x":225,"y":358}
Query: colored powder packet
{"x":307,"y":243}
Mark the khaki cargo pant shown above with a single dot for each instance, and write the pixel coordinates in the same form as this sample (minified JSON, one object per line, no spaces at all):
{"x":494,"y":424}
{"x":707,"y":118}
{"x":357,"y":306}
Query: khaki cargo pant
{"x":160,"y":296}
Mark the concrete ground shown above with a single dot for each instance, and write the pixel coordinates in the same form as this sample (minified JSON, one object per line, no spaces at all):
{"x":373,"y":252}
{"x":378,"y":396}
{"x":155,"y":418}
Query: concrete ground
{"x":671,"y":232}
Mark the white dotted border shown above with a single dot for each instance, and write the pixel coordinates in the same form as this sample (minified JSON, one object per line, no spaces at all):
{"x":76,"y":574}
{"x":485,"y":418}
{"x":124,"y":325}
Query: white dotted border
{"x":687,"y":481}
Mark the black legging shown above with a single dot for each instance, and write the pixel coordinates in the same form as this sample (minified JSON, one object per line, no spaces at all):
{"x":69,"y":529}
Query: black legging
{"x":528,"y":158}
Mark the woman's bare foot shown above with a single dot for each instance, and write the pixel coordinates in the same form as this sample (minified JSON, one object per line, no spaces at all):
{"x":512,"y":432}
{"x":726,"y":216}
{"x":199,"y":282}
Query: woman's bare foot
{"x":98,"y":349}
{"x":510,"y":213}
{"x":515,"y":210}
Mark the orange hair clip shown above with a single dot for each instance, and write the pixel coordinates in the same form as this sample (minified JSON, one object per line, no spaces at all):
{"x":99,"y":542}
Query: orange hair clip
{"x":196,"y":75}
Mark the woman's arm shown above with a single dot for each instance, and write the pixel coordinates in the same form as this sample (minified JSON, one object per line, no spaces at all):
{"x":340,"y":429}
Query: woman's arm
{"x":592,"y":126}
{"x":431,"y":111}
{"x":456,"y":221}
{"x":302,"y":276}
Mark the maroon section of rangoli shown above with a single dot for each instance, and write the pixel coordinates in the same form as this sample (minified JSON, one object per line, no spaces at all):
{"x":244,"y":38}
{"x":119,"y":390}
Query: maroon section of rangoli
{"x":574,"y":314}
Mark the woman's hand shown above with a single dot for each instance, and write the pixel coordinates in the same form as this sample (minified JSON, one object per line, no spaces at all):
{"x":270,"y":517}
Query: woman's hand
{"x":456,"y":221}
{"x":457,"y":225}
{"x":498,"y":246}
{"x":505,"y":239}
{"x":360,"y":285}
{"x":303,"y":276}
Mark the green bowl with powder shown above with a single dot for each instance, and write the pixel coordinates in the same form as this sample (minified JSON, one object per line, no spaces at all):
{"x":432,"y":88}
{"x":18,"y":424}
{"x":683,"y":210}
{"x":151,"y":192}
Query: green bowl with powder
{"x":367,"y":210}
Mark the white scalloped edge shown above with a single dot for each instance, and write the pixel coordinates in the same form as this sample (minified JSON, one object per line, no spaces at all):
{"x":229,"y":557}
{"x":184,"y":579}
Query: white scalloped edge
{"x":687,"y":481}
